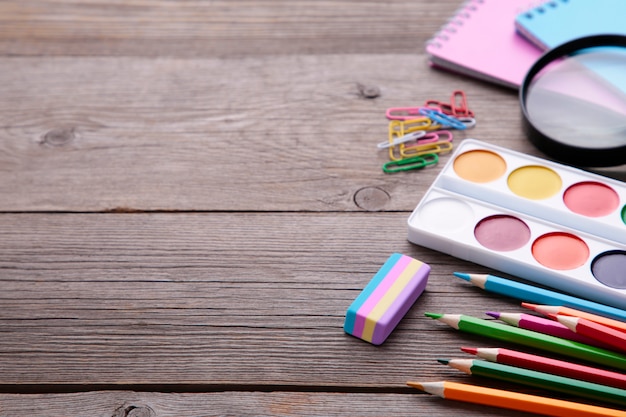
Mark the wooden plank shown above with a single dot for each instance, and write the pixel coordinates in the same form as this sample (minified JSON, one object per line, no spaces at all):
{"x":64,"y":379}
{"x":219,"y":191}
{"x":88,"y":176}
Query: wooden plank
{"x":214,"y":299}
{"x":286,"y":133}
{"x":300,"y":404}
{"x":217,"y":28}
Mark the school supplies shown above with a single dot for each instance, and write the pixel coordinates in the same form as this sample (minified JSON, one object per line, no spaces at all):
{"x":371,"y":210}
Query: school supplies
{"x":550,"y":365}
{"x":513,"y":400}
{"x":480,"y":41}
{"x":599,"y":332}
{"x":558,"y":21}
{"x":417,"y":135}
{"x":552,"y":224}
{"x":581,"y":125}
{"x":386,"y":299}
{"x":504,"y":332}
{"x":545,"y":326}
{"x":530,"y":293}
{"x":416,"y":162}
{"x":537,"y":379}
{"x":551,"y":311}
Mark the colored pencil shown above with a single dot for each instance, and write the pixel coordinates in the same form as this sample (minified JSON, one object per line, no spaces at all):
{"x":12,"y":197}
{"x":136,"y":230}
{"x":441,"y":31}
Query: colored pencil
{"x":532,"y":294}
{"x":513,"y":400}
{"x":537,"y":379}
{"x":567,"y":311}
{"x":511,"y":334}
{"x":549,"y":365}
{"x":600,"y":332}
{"x":546,"y":326}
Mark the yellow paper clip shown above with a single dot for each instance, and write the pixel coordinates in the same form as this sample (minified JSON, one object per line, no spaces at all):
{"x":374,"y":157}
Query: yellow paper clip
{"x":402,"y":127}
{"x":440,"y":147}
{"x":399,"y":129}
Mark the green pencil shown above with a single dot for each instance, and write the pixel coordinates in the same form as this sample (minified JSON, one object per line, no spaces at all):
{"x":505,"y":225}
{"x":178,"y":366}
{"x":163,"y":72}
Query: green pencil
{"x":499,"y":331}
{"x":539,"y":380}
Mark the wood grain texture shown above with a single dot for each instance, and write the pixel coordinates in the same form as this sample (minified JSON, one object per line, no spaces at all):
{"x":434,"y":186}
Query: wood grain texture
{"x":213,"y":299}
{"x":281,"y":133}
{"x":241,"y":404}
{"x":194,"y":28}
{"x":192,"y":197}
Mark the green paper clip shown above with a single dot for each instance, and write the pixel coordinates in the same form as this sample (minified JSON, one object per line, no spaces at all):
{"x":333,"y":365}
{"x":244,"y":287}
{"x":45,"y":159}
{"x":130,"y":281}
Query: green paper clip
{"x":416,"y":162}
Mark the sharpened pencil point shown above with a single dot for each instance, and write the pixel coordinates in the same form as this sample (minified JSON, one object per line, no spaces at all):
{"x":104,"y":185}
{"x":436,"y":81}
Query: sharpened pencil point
{"x":493,"y":314}
{"x":443,"y":361}
{"x":462,"y":275}
{"x":471,"y":351}
{"x":530,"y":306}
{"x":415,"y":385}
{"x":433,"y":315}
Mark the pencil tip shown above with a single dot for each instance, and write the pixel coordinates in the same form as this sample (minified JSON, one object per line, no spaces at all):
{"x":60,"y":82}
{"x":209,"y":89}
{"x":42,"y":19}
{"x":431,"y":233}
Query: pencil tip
{"x":471,"y":351}
{"x":462,"y":275}
{"x":433,"y":315}
{"x":493,"y":314}
{"x":569,"y":322}
{"x":443,"y":361}
{"x":415,"y":385}
{"x":529,"y":306}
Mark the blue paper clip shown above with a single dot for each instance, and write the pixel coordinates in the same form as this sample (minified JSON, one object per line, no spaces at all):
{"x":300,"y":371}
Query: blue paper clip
{"x":443,"y":119}
{"x":416,"y":162}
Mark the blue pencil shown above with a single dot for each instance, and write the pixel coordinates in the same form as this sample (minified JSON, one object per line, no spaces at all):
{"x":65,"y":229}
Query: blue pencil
{"x":531,"y":294}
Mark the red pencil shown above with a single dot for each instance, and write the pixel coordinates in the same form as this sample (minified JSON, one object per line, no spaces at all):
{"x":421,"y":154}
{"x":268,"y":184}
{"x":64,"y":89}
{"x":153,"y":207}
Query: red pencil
{"x":593,"y":330}
{"x":546,"y":326}
{"x":566,"y":311}
{"x":548,"y":365}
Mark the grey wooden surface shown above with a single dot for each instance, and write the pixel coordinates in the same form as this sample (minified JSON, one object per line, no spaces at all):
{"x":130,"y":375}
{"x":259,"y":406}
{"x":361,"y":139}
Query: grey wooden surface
{"x":192,"y":197}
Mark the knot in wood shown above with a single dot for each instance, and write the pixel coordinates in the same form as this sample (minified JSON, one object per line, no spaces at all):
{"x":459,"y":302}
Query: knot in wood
{"x":368,"y":91}
{"x":59,"y":137}
{"x":371,"y":198}
{"x":134,"y":411}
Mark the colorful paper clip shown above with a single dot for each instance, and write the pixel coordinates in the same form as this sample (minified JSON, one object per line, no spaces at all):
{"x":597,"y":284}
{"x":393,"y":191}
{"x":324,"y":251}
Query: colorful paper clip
{"x":457,"y":106}
{"x":436,"y":136}
{"x":403,"y":113}
{"x":394,"y":141}
{"x":443,"y":119}
{"x":402,"y":127}
{"x":428,"y":148}
{"x":469,"y":122}
{"x":417,"y":162}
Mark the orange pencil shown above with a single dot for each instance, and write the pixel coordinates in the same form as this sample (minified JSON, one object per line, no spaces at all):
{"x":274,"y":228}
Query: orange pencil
{"x":567,"y":311}
{"x":513,"y":400}
{"x":599,"y":332}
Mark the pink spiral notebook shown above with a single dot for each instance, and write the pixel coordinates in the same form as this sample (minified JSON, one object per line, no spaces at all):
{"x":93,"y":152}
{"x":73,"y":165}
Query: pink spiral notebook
{"x":481,"y":41}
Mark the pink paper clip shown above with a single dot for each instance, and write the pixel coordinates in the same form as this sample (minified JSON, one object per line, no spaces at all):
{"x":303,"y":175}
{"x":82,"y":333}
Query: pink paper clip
{"x":437,"y":136}
{"x":403,"y":113}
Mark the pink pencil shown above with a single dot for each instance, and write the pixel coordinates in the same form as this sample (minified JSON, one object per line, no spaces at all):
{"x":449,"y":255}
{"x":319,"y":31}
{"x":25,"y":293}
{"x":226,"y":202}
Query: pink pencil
{"x":599,"y":332}
{"x":546,"y":326}
{"x":551,"y":311}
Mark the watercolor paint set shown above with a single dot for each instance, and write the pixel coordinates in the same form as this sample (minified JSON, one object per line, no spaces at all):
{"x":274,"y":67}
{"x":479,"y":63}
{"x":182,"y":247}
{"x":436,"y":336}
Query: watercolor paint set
{"x":535,"y":219}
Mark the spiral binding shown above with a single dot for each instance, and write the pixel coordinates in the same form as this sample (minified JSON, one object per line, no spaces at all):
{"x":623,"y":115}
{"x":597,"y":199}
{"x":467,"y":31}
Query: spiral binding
{"x":462,"y":13}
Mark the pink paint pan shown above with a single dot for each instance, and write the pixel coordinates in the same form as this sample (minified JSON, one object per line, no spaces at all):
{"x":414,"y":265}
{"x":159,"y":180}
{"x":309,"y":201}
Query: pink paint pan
{"x":545,"y":222}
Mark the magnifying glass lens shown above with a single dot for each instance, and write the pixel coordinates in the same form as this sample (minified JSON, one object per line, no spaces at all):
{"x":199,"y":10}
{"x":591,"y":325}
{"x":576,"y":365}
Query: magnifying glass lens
{"x":574,"y":102}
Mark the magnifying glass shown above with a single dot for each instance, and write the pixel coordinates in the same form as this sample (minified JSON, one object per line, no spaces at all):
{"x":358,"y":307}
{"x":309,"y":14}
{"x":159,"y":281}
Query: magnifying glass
{"x":573,"y":102}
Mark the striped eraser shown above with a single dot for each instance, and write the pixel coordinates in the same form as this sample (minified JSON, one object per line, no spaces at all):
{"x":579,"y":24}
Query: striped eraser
{"x":386,"y":299}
